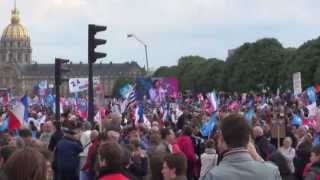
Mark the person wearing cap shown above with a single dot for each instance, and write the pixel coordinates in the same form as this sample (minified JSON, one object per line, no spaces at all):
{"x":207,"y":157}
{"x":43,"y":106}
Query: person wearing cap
{"x":66,"y":162}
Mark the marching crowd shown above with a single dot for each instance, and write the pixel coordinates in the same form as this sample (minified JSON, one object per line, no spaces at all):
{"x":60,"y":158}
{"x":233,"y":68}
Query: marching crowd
{"x":233,"y":140}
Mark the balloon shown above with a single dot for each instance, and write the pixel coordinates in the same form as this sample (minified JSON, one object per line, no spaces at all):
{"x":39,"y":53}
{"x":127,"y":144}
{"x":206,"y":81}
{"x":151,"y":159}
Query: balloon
{"x":296,"y":120}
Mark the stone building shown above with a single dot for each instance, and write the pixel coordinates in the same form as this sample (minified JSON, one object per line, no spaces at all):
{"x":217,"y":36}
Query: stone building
{"x":19,"y":72}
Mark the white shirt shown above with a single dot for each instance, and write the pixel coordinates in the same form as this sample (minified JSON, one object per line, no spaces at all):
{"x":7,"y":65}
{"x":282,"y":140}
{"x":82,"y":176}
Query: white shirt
{"x":85,"y":140}
{"x":209,"y":159}
{"x":289,"y":154}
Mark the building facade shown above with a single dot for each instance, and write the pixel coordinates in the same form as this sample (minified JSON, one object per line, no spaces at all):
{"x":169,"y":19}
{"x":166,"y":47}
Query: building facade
{"x":18,"y":72}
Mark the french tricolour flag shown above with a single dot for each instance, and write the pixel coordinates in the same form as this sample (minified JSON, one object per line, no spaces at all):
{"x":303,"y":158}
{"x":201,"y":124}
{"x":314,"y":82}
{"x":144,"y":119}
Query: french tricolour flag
{"x":19,"y":113}
{"x":16,"y":116}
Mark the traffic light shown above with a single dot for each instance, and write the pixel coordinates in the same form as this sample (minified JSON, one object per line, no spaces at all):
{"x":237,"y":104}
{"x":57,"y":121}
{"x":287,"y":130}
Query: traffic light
{"x":92,"y":58}
{"x":93,"y":43}
{"x":60,"y":69}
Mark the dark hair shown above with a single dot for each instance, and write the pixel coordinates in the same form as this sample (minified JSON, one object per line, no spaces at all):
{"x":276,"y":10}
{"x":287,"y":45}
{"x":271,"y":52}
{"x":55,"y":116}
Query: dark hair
{"x":279,"y":160}
{"x":134,"y":144}
{"x":316,"y":149}
{"x":178,"y":162}
{"x":187,"y":130}
{"x":155,"y":139}
{"x":4,"y":139}
{"x":57,"y":125}
{"x":24,"y":133}
{"x":156,"y":161}
{"x":165,"y":132}
{"x":235,"y":130}
{"x":111,"y":152}
{"x":32,"y":126}
{"x":6,"y":152}
{"x":210,"y":144}
{"x":26,"y":164}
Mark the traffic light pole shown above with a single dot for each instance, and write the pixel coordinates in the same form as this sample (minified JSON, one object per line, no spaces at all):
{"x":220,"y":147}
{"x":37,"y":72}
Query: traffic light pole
{"x":57,"y":115}
{"x":92,"y":57}
{"x":60,"y":69}
{"x":90,"y":91}
{"x":57,"y":88}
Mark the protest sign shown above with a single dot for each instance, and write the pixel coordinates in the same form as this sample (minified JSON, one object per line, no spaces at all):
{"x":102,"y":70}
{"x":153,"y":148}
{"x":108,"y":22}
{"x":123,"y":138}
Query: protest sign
{"x":297,"y":89}
{"x":81,"y":84}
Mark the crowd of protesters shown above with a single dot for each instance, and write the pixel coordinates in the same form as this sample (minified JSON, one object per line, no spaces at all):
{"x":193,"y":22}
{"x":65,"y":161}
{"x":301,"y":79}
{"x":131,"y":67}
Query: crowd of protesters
{"x":240,"y":145}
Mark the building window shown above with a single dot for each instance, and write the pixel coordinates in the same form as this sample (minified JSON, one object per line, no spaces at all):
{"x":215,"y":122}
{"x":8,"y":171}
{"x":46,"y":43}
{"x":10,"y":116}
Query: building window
{"x":27,"y":58}
{"x":20,"y":57}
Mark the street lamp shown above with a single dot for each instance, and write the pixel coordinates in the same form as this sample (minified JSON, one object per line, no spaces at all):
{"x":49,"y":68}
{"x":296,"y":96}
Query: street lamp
{"x":145,"y":47}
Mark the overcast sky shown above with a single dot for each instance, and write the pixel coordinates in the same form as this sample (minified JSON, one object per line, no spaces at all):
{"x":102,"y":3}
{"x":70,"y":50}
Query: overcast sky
{"x":171,"y":28}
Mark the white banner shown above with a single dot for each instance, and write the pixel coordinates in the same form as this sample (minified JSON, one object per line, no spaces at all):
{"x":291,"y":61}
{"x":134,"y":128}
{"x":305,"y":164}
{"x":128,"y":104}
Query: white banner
{"x":81,"y":84}
{"x":297,"y":89}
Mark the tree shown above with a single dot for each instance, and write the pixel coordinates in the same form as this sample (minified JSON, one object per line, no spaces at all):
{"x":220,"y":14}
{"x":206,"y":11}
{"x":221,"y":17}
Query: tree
{"x":306,"y":59}
{"x":264,"y":63}
{"x":255,"y":65}
{"x":165,"y":71}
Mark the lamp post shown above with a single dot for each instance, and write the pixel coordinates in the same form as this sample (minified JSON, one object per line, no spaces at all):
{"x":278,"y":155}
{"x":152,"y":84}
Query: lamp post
{"x":145,"y":47}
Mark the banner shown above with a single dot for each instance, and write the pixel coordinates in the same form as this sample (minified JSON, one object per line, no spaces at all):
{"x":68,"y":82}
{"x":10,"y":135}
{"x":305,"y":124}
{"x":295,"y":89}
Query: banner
{"x":43,"y":86}
{"x":162,"y":88}
{"x":81,"y":84}
{"x":297,"y":89}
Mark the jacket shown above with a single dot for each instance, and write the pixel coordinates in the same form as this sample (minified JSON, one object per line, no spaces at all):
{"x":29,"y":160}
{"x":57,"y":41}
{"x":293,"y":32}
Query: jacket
{"x":314,"y":173}
{"x":264,"y":147}
{"x":66,"y":155}
{"x":54,"y":139}
{"x":139,"y":166}
{"x":237,"y":164}
{"x":91,"y":158}
{"x":186,"y":146}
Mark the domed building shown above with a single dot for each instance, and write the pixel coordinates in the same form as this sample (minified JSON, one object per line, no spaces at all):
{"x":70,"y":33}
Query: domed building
{"x":15,"y":46}
{"x":20,"y":74}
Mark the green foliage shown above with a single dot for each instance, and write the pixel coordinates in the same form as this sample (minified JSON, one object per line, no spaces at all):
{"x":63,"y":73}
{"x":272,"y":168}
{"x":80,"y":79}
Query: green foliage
{"x":255,"y":65}
{"x":165,"y":71}
{"x":264,"y":63}
{"x":306,"y":59}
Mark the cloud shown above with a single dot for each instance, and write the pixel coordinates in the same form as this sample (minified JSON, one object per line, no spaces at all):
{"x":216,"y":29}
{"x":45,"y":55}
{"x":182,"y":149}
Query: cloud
{"x":172,"y":28}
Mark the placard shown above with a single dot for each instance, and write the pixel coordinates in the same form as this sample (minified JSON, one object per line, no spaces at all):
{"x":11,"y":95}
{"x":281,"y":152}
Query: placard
{"x":297,"y":89}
